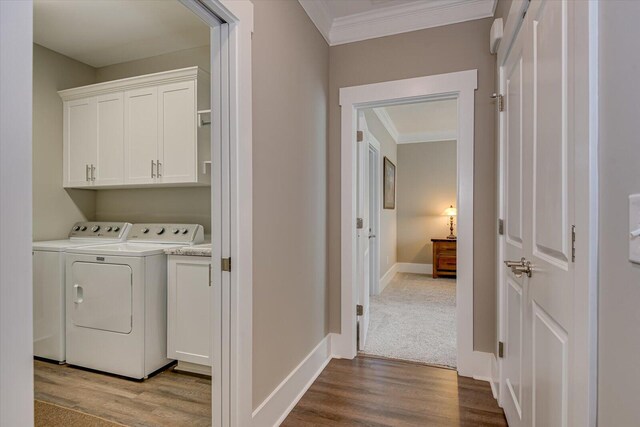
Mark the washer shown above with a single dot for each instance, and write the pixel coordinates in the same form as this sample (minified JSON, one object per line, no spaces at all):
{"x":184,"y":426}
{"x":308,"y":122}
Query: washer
{"x":117,"y":300}
{"x":49,"y":282}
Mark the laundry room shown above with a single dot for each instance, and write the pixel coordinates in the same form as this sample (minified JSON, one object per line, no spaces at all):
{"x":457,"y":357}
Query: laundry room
{"x":122,"y":213}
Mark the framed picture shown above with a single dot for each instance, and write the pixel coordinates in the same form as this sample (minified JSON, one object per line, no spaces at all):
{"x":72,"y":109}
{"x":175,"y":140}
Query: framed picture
{"x":389,"y":184}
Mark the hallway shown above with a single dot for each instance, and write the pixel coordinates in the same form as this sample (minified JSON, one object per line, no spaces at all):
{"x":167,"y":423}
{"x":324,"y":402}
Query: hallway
{"x":381,"y":392}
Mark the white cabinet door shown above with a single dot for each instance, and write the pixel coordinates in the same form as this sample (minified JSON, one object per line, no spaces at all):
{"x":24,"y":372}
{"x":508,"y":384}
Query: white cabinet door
{"x":189,"y":311}
{"x":80,"y":141}
{"x":141,"y":135}
{"x":177,"y":144}
{"x":109,"y":168}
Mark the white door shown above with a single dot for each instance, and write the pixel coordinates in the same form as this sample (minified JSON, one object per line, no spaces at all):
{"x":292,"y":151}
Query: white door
{"x":141,"y":135}
{"x":109,"y":168}
{"x":514,"y":287}
{"x":80,"y":135}
{"x":540,"y":213}
{"x":363,"y":231}
{"x":177,"y":156}
{"x":102,"y":296}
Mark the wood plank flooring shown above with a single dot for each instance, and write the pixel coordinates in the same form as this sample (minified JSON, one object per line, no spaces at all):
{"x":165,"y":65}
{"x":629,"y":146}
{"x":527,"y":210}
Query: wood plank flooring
{"x":383,"y":392}
{"x":166,"y":399}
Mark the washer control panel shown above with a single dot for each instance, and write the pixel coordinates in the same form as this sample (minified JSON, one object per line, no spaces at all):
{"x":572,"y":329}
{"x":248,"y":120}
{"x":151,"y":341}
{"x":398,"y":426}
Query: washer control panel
{"x":99,"y":230}
{"x":189,"y":234}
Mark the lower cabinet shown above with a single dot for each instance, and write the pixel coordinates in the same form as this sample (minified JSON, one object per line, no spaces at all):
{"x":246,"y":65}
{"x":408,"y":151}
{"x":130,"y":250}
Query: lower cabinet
{"x":189,"y":311}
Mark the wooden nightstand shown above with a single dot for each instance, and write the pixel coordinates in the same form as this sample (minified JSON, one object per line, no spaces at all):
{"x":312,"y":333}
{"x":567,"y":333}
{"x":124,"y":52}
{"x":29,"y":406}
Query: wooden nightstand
{"x":444,"y":257}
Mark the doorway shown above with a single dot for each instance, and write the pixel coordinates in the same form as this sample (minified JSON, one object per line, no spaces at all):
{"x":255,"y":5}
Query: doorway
{"x":459,"y":86}
{"x":409,"y":231}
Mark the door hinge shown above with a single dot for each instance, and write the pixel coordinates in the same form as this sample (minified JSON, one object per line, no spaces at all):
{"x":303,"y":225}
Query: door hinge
{"x":500,"y":349}
{"x":359,"y":310}
{"x":573,"y":243}
{"x":359,"y":136}
{"x":359,"y":223}
{"x":500,"y":226}
{"x":500,"y":99}
{"x":226,"y":264}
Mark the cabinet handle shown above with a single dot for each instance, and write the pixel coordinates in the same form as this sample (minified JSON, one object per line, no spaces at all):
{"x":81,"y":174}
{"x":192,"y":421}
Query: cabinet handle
{"x":86,"y":172}
{"x":93,"y":173}
{"x":153,"y":164}
{"x":209,"y":275}
{"x":158,"y":169}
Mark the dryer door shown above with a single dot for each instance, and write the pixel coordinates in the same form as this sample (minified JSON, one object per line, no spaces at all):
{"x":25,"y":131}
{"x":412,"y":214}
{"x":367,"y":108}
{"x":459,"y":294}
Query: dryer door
{"x":102,"y":296}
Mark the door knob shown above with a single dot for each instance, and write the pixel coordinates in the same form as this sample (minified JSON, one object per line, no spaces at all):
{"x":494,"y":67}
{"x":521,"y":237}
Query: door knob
{"x":371,"y":236}
{"x":518,"y":268}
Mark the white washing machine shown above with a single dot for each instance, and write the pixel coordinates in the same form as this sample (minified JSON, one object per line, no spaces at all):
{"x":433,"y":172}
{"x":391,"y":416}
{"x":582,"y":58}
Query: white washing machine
{"x":117,"y":300}
{"x":49,"y":282}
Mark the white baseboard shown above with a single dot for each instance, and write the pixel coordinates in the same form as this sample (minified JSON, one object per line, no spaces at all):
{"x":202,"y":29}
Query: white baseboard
{"x":386,"y":278}
{"x":275,"y":408}
{"x":407,"y":267}
{"x":488,"y":372}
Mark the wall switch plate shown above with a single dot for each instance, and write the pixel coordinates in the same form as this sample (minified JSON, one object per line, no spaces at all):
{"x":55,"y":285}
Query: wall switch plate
{"x":634,"y":228}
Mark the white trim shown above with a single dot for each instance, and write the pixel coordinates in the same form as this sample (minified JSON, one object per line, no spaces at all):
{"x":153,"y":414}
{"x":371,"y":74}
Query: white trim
{"x":413,"y":138}
{"x":394,"y":19}
{"x":16,"y":295}
{"x":275,"y":408}
{"x":409,"y":267}
{"x":136,"y":82}
{"x":387,"y":277}
{"x":385,"y":119}
{"x":460,"y":85}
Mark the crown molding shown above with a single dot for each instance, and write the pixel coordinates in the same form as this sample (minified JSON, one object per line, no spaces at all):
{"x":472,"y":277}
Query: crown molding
{"x":387,"y":122}
{"x":414,"y":138}
{"x":395,"y":19}
{"x":319,"y":14}
{"x":411,"y":138}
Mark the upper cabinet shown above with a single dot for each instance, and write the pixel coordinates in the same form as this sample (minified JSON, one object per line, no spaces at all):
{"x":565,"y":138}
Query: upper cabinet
{"x":137,"y":132}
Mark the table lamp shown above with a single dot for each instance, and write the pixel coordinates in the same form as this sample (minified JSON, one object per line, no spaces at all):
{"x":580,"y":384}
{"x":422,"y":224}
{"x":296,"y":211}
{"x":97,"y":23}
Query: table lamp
{"x":450,"y":212}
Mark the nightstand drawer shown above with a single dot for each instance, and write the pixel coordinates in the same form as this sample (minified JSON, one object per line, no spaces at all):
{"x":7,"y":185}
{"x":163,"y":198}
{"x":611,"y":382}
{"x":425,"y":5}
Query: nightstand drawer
{"x":447,"y":263}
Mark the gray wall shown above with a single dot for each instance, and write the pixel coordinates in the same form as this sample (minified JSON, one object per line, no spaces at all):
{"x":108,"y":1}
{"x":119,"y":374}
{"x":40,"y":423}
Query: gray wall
{"x":619,"y":152}
{"x":181,"y":205}
{"x":290,"y":94}
{"x":426,"y":187}
{"x":54,"y":208}
{"x":388,"y":217}
{"x":420,"y":53}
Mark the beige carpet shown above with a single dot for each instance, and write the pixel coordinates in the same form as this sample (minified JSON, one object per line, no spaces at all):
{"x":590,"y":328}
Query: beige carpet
{"x":50,"y":415}
{"x":414,"y":318}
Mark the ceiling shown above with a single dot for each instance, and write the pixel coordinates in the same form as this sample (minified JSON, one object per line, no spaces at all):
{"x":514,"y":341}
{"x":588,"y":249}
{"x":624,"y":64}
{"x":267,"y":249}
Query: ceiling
{"x":423,"y":122}
{"x":346,"y":21}
{"x":105,"y":32}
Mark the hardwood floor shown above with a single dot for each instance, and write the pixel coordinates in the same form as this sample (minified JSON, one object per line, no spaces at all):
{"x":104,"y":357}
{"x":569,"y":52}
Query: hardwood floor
{"x":382,"y":392}
{"x":166,"y":399}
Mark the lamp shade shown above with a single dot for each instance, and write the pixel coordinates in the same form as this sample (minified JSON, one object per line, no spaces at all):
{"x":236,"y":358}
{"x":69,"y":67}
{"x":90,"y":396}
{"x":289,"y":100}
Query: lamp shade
{"x":450,"y":211}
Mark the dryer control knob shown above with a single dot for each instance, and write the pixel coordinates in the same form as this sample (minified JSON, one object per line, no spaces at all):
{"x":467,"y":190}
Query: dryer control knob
{"x":76,"y":228}
{"x":145,"y":230}
{"x":108,"y":228}
{"x":175,"y":230}
{"x":95,"y":228}
{"x":160,"y":230}
{"x":83,"y":228}
{"x":184,"y":231}
{"x":116,"y":228}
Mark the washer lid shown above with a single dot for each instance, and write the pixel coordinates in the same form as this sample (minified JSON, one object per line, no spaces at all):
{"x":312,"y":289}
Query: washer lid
{"x":62,"y":245}
{"x":125,"y":249}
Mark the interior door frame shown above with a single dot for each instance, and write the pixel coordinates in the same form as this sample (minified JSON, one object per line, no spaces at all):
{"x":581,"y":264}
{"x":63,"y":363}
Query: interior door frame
{"x":583,"y":387}
{"x":374,"y":215}
{"x":16,"y":285}
{"x":457,"y":85}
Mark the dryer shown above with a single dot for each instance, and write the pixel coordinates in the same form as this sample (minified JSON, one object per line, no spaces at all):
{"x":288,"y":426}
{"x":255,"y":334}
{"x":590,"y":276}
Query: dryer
{"x":49,"y":282}
{"x":117,"y":300}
